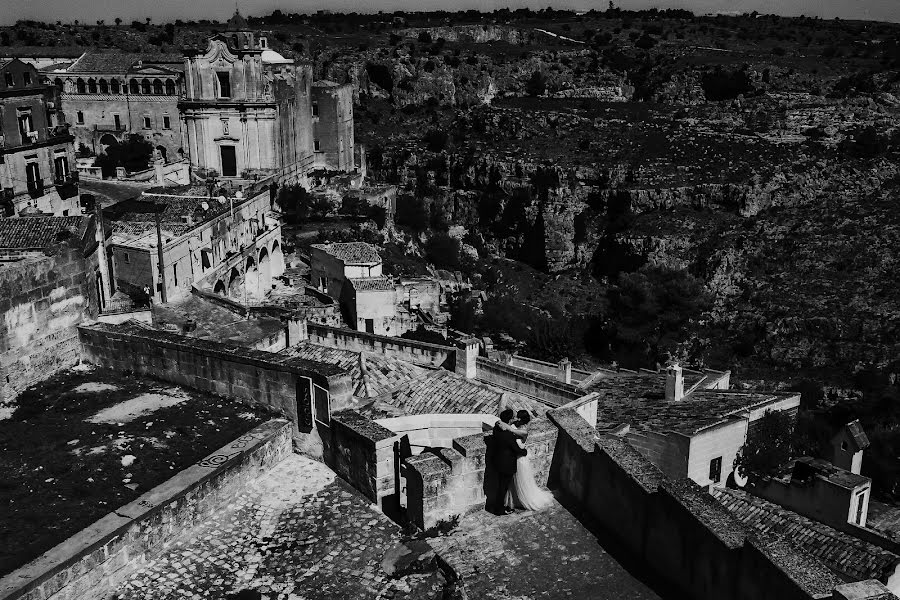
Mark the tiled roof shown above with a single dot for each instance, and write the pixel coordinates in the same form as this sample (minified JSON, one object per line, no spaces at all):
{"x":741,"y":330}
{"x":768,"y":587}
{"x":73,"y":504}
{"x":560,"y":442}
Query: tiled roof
{"x":373,"y":284}
{"x":174,"y":208}
{"x":118,"y":63}
{"x":39,"y":232}
{"x":382,"y":373}
{"x":352,"y":253}
{"x":839,"y":551}
{"x":441,"y":391}
{"x":805,"y":467}
{"x":4,"y":62}
{"x":638,"y":399}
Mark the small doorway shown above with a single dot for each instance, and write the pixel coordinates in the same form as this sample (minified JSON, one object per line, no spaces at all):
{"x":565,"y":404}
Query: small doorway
{"x":229,"y":161}
{"x":370,"y":325}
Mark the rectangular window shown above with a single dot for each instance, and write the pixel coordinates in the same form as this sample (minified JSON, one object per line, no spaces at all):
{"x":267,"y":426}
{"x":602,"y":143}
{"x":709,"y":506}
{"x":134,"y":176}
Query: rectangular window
{"x":125,"y":258}
{"x":61,"y":165}
{"x":224,"y":81}
{"x":715,"y":470}
{"x":315,"y":109}
{"x":118,"y":122}
{"x":26,"y":77}
{"x":175,"y":273}
{"x":146,"y":122}
{"x":167,"y":123}
{"x":370,"y":325}
{"x":316,"y":145}
{"x":323,"y":406}
{"x":860,"y":503}
{"x":26,"y":125}
{"x":79,"y":118}
{"x":8,"y":77}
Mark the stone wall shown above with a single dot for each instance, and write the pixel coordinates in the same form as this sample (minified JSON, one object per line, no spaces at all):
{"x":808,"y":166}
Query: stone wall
{"x":92,"y":563}
{"x":43,"y":300}
{"x":458,"y":480}
{"x":362,"y":452}
{"x":420,"y":353}
{"x":689,"y":539}
{"x":228,"y":370}
{"x":550,"y":391}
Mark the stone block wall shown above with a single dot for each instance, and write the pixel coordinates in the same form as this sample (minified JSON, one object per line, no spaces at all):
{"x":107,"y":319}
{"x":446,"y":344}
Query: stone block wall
{"x":420,"y":353}
{"x":227,"y":370}
{"x":455,"y":481}
{"x":362,"y":452}
{"x":91,"y":564}
{"x":42,"y":301}
{"x":548,"y":390}
{"x":691,"y":541}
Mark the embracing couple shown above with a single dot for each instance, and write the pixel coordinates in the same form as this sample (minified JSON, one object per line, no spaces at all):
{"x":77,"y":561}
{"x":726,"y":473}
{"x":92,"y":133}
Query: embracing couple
{"x":515,"y":475}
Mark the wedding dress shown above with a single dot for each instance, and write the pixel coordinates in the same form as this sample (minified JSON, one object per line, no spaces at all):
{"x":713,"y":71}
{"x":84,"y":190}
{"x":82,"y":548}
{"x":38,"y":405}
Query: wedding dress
{"x":524,"y":492}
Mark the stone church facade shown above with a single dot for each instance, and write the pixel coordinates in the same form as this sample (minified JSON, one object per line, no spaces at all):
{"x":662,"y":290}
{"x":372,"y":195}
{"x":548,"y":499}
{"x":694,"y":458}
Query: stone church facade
{"x":247,"y":110}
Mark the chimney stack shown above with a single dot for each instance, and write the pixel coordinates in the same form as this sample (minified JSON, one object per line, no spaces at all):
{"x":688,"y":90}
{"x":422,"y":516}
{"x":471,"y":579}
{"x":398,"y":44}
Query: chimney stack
{"x":674,"y":383}
{"x":296,"y":330}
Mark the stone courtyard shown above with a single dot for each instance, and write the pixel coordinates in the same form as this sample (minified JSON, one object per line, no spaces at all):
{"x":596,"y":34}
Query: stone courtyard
{"x":297,"y":533}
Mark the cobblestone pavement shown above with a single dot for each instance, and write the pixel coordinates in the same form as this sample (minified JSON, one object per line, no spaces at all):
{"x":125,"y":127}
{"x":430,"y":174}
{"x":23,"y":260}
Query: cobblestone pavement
{"x":530,"y":555}
{"x":298,"y":533}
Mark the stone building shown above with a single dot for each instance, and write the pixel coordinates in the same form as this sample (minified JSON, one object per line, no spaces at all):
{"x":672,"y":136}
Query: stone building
{"x":247,"y":108}
{"x":332,"y":118}
{"x":107,"y":96}
{"x":331,"y":265}
{"x":37,"y":157}
{"x":228,"y":245}
{"x":52,"y":280}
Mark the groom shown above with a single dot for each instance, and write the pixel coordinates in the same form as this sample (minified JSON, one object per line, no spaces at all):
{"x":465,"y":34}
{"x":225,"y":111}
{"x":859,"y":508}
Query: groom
{"x":506,"y":453}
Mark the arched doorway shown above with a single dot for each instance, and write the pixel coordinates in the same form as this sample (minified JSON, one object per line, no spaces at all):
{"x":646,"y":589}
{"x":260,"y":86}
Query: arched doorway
{"x":219,"y":288}
{"x":265,"y":271}
{"x":235,"y":289}
{"x":251,"y":278}
{"x":277,"y":260}
{"x":162,"y":153}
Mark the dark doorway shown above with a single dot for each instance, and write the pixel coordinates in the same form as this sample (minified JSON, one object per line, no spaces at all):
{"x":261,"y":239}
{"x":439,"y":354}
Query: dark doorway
{"x":229,"y":161}
{"x":304,"y":405}
{"x":370,"y":326}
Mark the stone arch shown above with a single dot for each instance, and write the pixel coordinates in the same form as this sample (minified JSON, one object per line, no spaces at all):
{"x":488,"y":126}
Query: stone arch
{"x":108,"y":139}
{"x":265,"y":271}
{"x":145,"y":86}
{"x":234,"y":284}
{"x":277,"y":259}
{"x":135,"y":87}
{"x":92,"y":86}
{"x":80,"y":86}
{"x":170,"y":87}
{"x":59,"y":84}
{"x":252,"y":279}
{"x":162,"y":153}
{"x":157,"y":87}
{"x":114,"y":86}
{"x":104,"y":86}
{"x":219,"y":288}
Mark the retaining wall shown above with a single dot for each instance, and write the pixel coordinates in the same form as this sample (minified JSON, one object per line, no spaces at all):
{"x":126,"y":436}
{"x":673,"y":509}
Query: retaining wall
{"x":91,"y":564}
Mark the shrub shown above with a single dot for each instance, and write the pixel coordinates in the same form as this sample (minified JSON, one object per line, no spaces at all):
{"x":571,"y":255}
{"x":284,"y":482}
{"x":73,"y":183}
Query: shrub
{"x":536,"y":84}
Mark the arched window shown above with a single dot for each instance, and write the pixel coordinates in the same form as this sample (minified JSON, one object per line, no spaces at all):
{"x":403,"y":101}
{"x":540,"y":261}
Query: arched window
{"x":104,"y":87}
{"x":145,"y":86}
{"x":170,"y":87}
{"x":114,"y":86}
{"x":58,"y":83}
{"x":92,"y":86}
{"x":79,"y":86}
{"x":135,"y":87}
{"x":157,"y":87}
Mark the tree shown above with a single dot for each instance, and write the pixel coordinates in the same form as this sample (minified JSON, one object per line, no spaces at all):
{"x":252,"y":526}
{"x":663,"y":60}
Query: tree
{"x":412,"y":212}
{"x":134,"y":154}
{"x":436,"y":140}
{"x":768,"y":446}
{"x":443,"y":251}
{"x":118,"y":21}
{"x":536,"y":84}
{"x":424,"y":37}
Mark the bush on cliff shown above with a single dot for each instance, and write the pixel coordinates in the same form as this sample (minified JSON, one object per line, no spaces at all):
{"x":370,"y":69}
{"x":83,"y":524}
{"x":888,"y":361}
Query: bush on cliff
{"x":768,"y":445}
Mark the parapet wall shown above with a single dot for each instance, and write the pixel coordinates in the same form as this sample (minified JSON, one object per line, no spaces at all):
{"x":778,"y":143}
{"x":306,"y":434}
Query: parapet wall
{"x":455,"y":481}
{"x":420,"y":353}
{"x":529,"y":383}
{"x":91,"y":564}
{"x":42,"y":301}
{"x":225,"y":369}
{"x":691,"y":541}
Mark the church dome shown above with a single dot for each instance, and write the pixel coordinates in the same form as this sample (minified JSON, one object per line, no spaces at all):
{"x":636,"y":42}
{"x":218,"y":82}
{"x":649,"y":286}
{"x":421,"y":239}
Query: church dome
{"x":237,"y":22}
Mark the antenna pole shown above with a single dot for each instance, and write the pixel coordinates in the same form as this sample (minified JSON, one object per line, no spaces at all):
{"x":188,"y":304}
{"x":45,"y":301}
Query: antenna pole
{"x":159,"y":254}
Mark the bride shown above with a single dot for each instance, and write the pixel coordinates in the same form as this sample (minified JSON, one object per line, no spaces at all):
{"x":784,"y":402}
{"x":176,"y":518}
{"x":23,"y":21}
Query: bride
{"x":524,"y":491}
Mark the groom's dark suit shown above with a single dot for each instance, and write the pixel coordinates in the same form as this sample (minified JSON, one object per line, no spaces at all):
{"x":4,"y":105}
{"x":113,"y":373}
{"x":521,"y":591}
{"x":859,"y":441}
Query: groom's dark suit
{"x":506,"y":454}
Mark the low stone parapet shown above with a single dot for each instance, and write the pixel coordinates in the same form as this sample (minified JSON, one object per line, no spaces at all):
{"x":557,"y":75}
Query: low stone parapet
{"x":92,"y":563}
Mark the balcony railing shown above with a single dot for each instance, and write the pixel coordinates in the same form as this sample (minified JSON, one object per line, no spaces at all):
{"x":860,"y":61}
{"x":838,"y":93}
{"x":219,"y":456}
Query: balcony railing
{"x":36,"y":189}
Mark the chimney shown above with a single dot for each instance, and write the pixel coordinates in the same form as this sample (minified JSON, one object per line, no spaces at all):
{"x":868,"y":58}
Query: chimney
{"x":565,"y":371}
{"x":466,"y":355}
{"x":674,"y":383}
{"x":296,"y":330}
